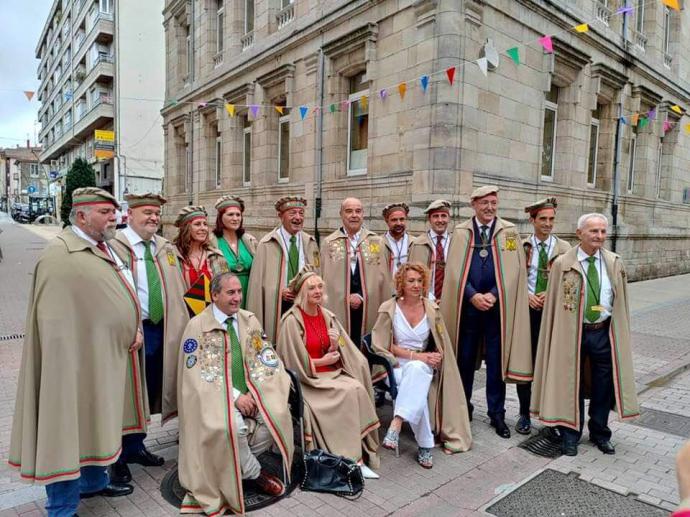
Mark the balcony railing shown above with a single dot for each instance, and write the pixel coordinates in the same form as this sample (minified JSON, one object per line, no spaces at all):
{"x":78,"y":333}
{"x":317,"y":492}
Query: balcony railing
{"x":639,"y":40}
{"x":218,"y":59}
{"x":247,"y":40}
{"x":668,"y":60}
{"x":603,"y":12}
{"x":285,"y":15}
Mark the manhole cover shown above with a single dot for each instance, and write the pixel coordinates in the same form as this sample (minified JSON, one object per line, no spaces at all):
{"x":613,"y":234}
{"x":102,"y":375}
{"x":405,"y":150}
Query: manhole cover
{"x":547,"y":443}
{"x":552,"y":493}
{"x":665,"y":422}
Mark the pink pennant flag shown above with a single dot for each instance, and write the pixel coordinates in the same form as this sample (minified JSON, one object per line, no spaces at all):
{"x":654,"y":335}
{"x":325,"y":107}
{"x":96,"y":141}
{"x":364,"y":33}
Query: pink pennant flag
{"x":667,"y":126}
{"x":547,"y":43}
{"x":203,"y":104}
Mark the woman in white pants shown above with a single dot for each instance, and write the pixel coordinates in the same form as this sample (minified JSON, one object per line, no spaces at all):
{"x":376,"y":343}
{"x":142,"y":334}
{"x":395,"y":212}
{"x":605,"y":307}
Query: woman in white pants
{"x":410,"y":332}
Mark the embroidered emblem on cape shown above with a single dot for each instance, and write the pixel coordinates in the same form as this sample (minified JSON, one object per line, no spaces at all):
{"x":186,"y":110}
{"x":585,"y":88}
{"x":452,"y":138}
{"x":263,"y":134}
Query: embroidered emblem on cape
{"x":511,"y":243}
{"x":341,"y":340}
{"x":211,"y":355}
{"x":316,"y":259}
{"x":255,"y":340}
{"x":371,"y":251}
{"x":570,"y":294}
{"x":336,"y":250}
{"x":191,"y":361}
{"x":268,"y":357}
{"x":439,"y":328}
{"x":190,"y":346}
{"x":171,"y":258}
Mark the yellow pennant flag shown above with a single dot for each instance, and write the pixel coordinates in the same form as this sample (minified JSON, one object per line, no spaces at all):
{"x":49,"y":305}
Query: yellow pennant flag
{"x":230,"y":108}
{"x":582,"y":28}
{"x":687,"y":128}
{"x":677,"y":109}
{"x":673,"y":4}
{"x":279,"y":109}
{"x":402,"y":89}
{"x":364,"y":102}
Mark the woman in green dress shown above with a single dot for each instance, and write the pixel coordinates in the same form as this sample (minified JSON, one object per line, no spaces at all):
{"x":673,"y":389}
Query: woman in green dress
{"x":237,"y":245}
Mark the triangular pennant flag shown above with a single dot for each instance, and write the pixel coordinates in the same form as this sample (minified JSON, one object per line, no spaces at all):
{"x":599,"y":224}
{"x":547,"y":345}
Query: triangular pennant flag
{"x":230,"y":108}
{"x":635,"y":117}
{"x":667,"y":126}
{"x":547,"y":43}
{"x":584,"y":27}
{"x":451,"y":75}
{"x":280,"y":109}
{"x":344,"y":104}
{"x":673,"y":4}
{"x":383,"y":93}
{"x":625,"y":10}
{"x":483,"y":65}
{"x":402,"y":89}
{"x":651,"y":114}
{"x":424,"y":81}
{"x":331,"y":108}
{"x":642,"y":122}
{"x":687,"y":128}
{"x":364,"y":102}
{"x":677,"y":109}
{"x":623,"y":121}
{"x":303,"y":110}
{"x":514,"y":54}
{"x":254,"y":109}
{"x":29,"y":95}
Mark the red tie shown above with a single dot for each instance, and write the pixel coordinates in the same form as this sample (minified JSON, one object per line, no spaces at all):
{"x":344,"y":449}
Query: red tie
{"x":101,"y":246}
{"x":439,"y":268}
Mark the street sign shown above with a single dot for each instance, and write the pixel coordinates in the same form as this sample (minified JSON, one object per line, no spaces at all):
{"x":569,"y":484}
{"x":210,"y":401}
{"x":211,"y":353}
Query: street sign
{"x":31,"y":189}
{"x":104,"y":136}
{"x":53,"y":175}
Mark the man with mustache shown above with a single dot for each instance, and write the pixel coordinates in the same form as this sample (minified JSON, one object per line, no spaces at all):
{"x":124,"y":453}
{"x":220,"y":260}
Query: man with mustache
{"x":280,"y":255}
{"x":484,"y":303}
{"x":397,"y":238}
{"x":83,"y":326}
{"x":584,"y":345}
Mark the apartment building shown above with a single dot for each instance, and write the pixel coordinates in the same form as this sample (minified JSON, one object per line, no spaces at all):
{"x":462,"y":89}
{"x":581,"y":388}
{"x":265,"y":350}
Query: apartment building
{"x":102,"y":69}
{"x":564,"y":122}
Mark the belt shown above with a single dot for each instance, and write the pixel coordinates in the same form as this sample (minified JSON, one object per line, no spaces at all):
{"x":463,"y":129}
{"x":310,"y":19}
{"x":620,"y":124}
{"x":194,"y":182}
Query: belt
{"x":149,"y":322}
{"x":596,"y":326}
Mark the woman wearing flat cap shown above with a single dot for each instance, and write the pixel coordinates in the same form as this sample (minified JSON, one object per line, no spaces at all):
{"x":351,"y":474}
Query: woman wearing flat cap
{"x":340,"y":415}
{"x":237,"y":245}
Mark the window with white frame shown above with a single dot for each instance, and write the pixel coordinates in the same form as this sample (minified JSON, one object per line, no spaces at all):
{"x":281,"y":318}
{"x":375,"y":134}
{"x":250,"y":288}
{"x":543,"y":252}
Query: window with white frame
{"x":549,"y":135}
{"x":248,"y":16}
{"x":639,"y":16}
{"x":659,"y":163}
{"x":667,"y":30}
{"x":285,"y":3}
{"x":593,"y":148}
{"x":632,"y":152}
{"x":357,"y":126}
{"x":33,"y":169}
{"x":218,"y":160}
{"x":284,"y":148}
{"x":246,"y":151}
{"x":190,"y":55}
{"x":106,"y":6}
{"x":220,"y":17}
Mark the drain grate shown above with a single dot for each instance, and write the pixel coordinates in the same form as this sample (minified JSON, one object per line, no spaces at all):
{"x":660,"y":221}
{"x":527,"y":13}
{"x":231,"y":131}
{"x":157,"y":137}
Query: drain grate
{"x":546,"y":443}
{"x":11,"y":337}
{"x":670,"y":423}
{"x":555,"y":493}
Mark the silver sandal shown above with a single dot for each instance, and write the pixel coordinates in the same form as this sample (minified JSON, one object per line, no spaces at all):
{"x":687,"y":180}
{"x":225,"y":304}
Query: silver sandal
{"x":392,"y":441}
{"x":424,"y":457}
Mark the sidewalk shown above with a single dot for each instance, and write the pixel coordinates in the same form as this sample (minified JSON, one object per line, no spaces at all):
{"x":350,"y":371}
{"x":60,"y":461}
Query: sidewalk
{"x":459,"y":485}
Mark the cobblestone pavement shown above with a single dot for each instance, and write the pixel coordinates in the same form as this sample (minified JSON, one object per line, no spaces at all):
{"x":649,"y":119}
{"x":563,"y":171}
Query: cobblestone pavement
{"x":458,"y":485}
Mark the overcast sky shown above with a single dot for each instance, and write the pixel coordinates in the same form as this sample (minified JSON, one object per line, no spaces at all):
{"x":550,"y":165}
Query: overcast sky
{"x":21,"y":22}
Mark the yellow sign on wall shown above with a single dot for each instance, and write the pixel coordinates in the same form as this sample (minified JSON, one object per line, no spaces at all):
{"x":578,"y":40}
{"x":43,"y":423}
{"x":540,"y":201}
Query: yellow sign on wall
{"x":104,"y":136}
{"x":103,"y":154}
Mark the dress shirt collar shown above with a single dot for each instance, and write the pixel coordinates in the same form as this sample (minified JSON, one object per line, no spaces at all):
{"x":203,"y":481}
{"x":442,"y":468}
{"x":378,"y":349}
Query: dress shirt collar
{"x":81,"y":233}
{"x":221,"y":317}
{"x":582,"y":256}
{"x":479,"y":224}
{"x":287,"y":235}
{"x":133,"y":237}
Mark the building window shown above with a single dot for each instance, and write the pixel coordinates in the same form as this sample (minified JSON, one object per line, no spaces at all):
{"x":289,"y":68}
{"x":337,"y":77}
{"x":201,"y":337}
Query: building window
{"x":284,"y":148}
{"x":639,"y":16}
{"x":218,"y":161}
{"x":631,"y":164}
{"x":357,"y":126}
{"x":593,"y":147}
{"x":667,"y":30}
{"x":220,"y":16}
{"x":549,"y":136}
{"x":659,"y":161}
{"x":33,"y":169}
{"x":248,"y":16}
{"x":246,"y":151}
{"x":106,"y":6}
{"x":285,"y":3}
{"x":189,"y":55}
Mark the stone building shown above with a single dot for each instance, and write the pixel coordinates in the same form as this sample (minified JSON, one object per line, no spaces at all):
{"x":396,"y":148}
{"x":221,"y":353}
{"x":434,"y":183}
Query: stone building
{"x":550,"y":125}
{"x":22,"y":176}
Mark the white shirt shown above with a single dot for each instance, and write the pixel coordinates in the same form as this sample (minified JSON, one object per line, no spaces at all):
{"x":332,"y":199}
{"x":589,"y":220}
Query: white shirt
{"x":399,"y":249}
{"x":354,"y":242}
{"x":606,"y":292}
{"x":220,"y":318}
{"x":285,"y":244}
{"x":142,"y":279}
{"x":445,"y":242}
{"x":480,"y":224}
{"x":121,"y":266}
{"x":550,"y":245}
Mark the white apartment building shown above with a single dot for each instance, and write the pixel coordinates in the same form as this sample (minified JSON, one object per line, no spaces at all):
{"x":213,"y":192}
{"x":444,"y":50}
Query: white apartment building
{"x":102,"y":67}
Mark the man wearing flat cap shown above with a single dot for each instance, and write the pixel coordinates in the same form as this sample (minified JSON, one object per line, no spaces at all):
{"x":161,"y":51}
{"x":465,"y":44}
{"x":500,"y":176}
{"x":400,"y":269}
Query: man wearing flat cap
{"x":541,"y":249}
{"x":279,"y":257}
{"x":82,"y":327}
{"x":397,"y":238}
{"x":431,"y":248}
{"x":485,"y":303}
{"x":155,"y":266}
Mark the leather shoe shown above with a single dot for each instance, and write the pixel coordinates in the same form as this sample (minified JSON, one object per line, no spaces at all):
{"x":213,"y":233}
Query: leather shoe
{"x":146,"y":458}
{"x":470,"y":410}
{"x":569,"y":449}
{"x":524,"y":425}
{"x":110,"y":490}
{"x":606,"y":447}
{"x":119,"y":473}
{"x":269,"y":484}
{"x":501,"y":427}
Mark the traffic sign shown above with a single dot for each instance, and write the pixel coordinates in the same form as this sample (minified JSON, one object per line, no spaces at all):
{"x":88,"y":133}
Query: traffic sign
{"x":31,"y":189}
{"x":53,"y":175}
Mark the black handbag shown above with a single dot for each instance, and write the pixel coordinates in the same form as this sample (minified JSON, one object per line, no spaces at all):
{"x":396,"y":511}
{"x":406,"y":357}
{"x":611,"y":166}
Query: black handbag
{"x":331,"y":474}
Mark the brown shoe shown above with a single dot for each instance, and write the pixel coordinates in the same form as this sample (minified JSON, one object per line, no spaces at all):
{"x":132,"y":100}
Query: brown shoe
{"x":269,"y":484}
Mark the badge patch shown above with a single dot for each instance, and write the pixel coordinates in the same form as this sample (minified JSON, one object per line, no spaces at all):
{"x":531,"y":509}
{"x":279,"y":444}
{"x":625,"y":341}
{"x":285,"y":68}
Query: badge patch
{"x":268,"y":357}
{"x":191,"y":361}
{"x":316,"y":259}
{"x":511,"y":243}
{"x":190,"y":346}
{"x":171,"y":258}
{"x":341,"y":340}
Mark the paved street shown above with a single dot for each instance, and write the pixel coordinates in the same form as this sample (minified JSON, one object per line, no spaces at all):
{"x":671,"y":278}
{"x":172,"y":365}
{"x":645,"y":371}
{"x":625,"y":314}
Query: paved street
{"x":460,"y":485}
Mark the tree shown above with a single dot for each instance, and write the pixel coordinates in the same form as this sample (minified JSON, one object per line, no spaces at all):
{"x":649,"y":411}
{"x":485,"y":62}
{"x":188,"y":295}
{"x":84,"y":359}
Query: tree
{"x":81,"y":174}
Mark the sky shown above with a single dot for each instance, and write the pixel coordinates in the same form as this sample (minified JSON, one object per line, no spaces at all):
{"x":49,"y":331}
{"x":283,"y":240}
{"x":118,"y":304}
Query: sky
{"x":22,"y":22}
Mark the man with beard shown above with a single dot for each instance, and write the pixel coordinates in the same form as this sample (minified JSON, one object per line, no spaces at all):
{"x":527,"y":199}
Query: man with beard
{"x":279,"y":257}
{"x":397,"y":239}
{"x":82,"y":327}
{"x":485,"y":305}
{"x":355,"y":267}
{"x":431,"y":248}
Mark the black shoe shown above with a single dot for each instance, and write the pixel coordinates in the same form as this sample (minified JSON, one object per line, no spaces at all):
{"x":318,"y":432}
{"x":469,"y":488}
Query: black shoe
{"x":501,"y":427}
{"x":470,"y":410}
{"x":119,"y":473}
{"x":569,"y":449}
{"x":605,"y":446}
{"x":110,"y":490}
{"x":524,"y":425}
{"x":146,"y":458}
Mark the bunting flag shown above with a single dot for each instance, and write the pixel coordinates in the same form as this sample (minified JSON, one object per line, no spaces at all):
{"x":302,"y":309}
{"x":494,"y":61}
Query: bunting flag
{"x":29,"y":95}
{"x":344,"y":104}
{"x":424,"y":80}
{"x":383,"y":93}
{"x":547,"y":43}
{"x":483,"y":65}
{"x":450,"y":73}
{"x":364,"y":102}
{"x":623,"y":121}
{"x":667,"y":126}
{"x":677,"y":109}
{"x":673,"y":4}
{"x":687,"y":128}
{"x":254,"y":109}
{"x":514,"y":54}
{"x":280,"y":109}
{"x":651,"y":114}
{"x":584,"y":27}
{"x":642,"y":123}
{"x":626,"y":10}
{"x":331,"y":108}
{"x":634,"y":119}
{"x":402,"y":89}
{"x":203,"y":105}
{"x":230,"y":108}
{"x":303,"y":110}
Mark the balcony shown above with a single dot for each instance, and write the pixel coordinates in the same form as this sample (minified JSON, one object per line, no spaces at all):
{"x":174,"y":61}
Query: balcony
{"x":285,"y":15}
{"x":102,"y":70}
{"x":218,"y":59}
{"x":247,"y":41}
{"x":639,"y":40}
{"x":102,"y":32}
{"x":668,"y":60}
{"x":100,"y":114}
{"x":603,"y":13}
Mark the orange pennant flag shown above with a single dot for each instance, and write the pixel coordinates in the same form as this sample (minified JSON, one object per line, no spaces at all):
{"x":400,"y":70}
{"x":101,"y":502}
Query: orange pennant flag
{"x":230,"y":108}
{"x":29,"y":95}
{"x":673,"y":4}
{"x":634,"y":119}
{"x":582,"y":28}
{"x":402,"y":89}
{"x":279,"y":109}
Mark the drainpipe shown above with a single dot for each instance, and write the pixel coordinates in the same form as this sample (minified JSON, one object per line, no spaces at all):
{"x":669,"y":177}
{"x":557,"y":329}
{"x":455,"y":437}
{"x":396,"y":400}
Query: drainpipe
{"x":319,"y":148}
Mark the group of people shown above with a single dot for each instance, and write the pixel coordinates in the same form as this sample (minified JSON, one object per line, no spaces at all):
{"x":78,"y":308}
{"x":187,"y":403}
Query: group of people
{"x":110,"y":340}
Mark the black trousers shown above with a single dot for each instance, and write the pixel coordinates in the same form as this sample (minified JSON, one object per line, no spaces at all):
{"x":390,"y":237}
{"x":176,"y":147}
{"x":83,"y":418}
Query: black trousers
{"x":356,"y":316}
{"x":596,"y":346}
{"x":524,"y":390}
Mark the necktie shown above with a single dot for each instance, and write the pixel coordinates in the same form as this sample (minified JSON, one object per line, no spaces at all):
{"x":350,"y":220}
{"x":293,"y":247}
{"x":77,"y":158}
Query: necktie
{"x":237,"y":363}
{"x":154,"y":281}
{"x":541,"y":269}
{"x":485,"y":234}
{"x":101,"y":246}
{"x":593,"y":290}
{"x":293,"y":258}
{"x":439,"y":267}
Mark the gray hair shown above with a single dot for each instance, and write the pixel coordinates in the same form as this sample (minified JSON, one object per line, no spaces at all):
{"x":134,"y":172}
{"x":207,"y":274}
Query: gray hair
{"x":584,"y":219}
{"x":85,"y":209}
{"x":217,"y":281}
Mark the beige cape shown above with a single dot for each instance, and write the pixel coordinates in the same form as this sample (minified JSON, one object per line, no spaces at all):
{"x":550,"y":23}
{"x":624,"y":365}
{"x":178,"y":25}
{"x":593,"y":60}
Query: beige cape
{"x":557,"y":370}
{"x":340,"y":413}
{"x":377,"y":286}
{"x":559,"y":249}
{"x":267,"y":278}
{"x":83,"y":316}
{"x":216,"y":263}
{"x":209,"y":466}
{"x":447,"y":406}
{"x":509,"y":263}
{"x":176,"y":316}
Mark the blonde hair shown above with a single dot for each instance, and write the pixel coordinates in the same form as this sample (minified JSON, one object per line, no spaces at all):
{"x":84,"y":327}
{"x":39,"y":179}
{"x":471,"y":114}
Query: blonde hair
{"x":301,"y":296}
{"x":417,"y":267}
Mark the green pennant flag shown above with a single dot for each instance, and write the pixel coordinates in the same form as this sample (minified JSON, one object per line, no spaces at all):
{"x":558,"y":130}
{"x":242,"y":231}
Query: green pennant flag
{"x":514,"y":54}
{"x":642,"y":122}
{"x":332,"y":108}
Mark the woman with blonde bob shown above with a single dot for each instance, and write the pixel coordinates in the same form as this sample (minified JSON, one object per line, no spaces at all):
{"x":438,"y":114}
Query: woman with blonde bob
{"x":410,"y":333}
{"x":339,"y":411}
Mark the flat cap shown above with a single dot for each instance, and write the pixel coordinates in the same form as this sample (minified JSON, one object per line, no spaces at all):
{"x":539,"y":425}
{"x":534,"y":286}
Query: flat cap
{"x":395,"y":207}
{"x":549,"y":202}
{"x":483,"y":191}
{"x":226,"y":201}
{"x":297,"y":282}
{"x":148,"y":199}
{"x":188,"y":214}
{"x":92,"y":196}
{"x":285,"y":203}
{"x":439,"y":204}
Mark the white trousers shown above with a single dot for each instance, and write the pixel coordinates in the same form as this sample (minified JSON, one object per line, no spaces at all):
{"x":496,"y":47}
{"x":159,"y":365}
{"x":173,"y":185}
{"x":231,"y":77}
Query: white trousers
{"x":414,"y":379}
{"x":254,"y":439}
